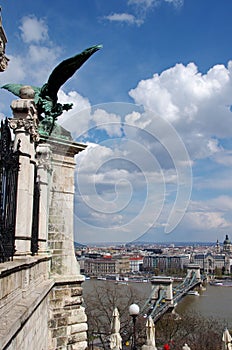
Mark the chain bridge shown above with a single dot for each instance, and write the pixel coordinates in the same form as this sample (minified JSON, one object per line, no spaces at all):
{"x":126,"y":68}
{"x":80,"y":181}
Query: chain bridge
{"x":164,"y":297}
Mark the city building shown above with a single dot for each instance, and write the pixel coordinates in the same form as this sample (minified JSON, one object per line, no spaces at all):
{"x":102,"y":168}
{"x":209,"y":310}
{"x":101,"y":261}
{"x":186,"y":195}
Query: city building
{"x":165,"y":262}
{"x":136,"y":263}
{"x":210,"y":262}
{"x":106,"y":265}
{"x":227,"y":246}
{"x":217,"y":260}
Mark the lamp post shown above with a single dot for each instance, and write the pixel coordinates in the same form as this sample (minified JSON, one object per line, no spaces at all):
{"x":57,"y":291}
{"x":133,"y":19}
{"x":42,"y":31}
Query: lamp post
{"x":134,"y":311}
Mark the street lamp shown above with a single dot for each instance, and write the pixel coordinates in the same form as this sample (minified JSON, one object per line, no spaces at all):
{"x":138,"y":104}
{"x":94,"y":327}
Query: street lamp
{"x":134,"y":311}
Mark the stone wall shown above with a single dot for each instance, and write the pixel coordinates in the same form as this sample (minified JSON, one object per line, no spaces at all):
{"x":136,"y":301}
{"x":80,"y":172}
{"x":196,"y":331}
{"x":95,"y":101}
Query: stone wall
{"x":41,"y":296}
{"x":67,"y":324}
{"x":24,"y":303}
{"x":61,"y":207}
{"x":67,"y":319}
{"x":34,"y":331}
{"x":38,"y":312}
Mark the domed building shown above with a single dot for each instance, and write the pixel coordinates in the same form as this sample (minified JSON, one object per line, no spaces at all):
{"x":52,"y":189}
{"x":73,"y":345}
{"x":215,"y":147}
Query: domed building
{"x":218,"y":259}
{"x":227,"y":246}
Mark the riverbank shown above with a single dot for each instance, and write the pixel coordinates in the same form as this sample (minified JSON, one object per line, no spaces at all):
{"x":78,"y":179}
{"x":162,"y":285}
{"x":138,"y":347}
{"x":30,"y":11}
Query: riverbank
{"x":129,"y":278}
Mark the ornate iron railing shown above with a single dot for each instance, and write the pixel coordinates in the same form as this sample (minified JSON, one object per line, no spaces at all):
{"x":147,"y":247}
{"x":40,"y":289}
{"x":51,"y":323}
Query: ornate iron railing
{"x":9,"y":168}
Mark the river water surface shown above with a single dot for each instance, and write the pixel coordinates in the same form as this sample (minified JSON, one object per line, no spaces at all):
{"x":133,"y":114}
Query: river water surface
{"x":215,"y":301}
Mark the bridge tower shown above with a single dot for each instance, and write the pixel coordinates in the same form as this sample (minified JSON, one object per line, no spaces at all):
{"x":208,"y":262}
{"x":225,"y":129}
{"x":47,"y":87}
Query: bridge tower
{"x":194,"y":268}
{"x":160,"y":283}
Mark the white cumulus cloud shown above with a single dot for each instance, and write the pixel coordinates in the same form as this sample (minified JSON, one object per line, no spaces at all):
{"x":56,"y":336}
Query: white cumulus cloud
{"x":196,"y":104}
{"x":123,"y":18}
{"x":77,"y":119}
{"x":200,"y":220}
{"x":33,"y":29}
{"x":140,"y":9}
{"x":147,"y":4}
{"x":176,"y":3}
{"x":110,"y":122}
{"x":38,"y":54}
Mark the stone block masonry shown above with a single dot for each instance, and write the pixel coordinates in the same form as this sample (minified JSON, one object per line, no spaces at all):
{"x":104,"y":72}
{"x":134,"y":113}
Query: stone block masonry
{"x":38,"y":312}
{"x":67,"y":318}
{"x":61,"y":206}
{"x":41,"y":296}
{"x":34,"y":331}
{"x":24,"y":303}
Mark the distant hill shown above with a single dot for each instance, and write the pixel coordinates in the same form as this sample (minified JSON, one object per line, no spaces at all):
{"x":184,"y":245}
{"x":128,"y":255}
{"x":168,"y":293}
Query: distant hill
{"x":79,"y":245}
{"x":176,"y":244}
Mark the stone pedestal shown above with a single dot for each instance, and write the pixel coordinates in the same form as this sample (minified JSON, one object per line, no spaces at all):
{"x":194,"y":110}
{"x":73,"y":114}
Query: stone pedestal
{"x":67,"y":318}
{"x":61,"y":206}
{"x":24,"y":123}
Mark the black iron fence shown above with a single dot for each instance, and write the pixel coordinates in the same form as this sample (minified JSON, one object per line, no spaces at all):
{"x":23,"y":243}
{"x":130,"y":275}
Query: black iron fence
{"x":9,"y":168}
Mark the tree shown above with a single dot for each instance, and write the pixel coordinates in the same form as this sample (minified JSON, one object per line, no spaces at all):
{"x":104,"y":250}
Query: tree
{"x":198,"y":332}
{"x":100,"y":302}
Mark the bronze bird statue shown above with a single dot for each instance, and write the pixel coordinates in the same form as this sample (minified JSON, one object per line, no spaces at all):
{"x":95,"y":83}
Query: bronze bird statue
{"x":45,"y":97}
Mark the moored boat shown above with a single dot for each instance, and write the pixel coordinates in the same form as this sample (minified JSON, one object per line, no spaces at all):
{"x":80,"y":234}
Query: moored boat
{"x":193,"y":292}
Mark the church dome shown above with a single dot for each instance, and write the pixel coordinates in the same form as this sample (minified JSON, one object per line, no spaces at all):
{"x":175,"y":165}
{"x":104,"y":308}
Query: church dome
{"x":227,"y":241}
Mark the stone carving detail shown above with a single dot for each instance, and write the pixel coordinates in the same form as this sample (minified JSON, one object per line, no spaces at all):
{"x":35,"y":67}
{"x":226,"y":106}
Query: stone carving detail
{"x":3,"y":62}
{"x":43,"y":155}
{"x":25,"y":116}
{"x":3,"y":59}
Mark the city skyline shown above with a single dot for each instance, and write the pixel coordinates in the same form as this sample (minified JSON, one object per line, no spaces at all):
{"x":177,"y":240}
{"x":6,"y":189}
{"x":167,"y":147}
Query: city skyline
{"x":153,"y":105}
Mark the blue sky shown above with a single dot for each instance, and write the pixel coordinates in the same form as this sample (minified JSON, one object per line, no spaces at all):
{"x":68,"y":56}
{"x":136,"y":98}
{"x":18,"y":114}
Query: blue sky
{"x":153,"y":105}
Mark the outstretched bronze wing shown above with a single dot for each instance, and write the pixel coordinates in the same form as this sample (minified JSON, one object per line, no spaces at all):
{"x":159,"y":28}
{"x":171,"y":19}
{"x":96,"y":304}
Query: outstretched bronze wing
{"x":64,"y":71}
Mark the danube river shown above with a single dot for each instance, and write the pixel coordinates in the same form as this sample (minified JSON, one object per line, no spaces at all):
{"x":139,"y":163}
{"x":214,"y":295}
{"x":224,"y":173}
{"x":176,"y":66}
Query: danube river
{"x":215,"y":301}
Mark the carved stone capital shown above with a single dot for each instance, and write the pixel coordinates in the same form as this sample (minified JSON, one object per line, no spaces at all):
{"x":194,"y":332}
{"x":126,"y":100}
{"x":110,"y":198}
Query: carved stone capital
{"x":23,"y":106}
{"x":3,"y":62}
{"x":25,"y":117}
{"x":44,"y":155}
